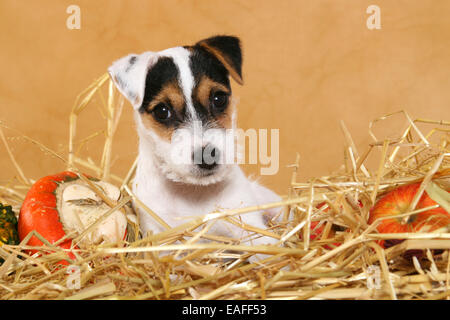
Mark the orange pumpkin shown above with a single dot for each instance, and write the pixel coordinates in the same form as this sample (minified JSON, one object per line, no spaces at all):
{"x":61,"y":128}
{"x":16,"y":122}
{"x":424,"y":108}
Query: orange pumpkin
{"x":47,"y":211}
{"x":397,"y":202}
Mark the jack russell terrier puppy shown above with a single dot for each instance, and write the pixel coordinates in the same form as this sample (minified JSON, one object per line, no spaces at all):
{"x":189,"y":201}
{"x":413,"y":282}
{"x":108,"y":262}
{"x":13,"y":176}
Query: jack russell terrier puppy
{"x":187,"y":90}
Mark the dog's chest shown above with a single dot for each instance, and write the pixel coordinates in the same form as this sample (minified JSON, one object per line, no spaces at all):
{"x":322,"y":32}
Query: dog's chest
{"x":187,"y":202}
{"x":176,"y":205}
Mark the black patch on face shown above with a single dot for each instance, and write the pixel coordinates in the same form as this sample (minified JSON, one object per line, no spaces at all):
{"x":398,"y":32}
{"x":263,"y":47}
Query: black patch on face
{"x":203,"y":63}
{"x":163,"y":72}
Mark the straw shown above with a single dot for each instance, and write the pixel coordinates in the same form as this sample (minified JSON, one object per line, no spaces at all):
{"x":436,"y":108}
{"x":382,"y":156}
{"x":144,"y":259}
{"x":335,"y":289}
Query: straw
{"x":187,"y":261}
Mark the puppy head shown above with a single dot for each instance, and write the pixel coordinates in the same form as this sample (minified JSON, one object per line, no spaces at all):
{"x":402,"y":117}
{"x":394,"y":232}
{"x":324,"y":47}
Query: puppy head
{"x":182,"y":102}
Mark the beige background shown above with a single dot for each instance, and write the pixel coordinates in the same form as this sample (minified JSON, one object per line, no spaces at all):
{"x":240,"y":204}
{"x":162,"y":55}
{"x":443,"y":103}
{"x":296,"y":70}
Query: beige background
{"x":307,"y":65}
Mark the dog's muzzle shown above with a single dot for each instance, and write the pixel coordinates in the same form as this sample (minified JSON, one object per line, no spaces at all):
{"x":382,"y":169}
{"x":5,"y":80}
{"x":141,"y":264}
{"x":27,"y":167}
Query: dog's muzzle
{"x":206,"y":157}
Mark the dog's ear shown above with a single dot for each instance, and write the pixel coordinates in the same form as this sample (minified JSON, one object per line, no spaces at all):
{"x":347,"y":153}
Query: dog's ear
{"x":130,"y":73}
{"x":227,"y":49}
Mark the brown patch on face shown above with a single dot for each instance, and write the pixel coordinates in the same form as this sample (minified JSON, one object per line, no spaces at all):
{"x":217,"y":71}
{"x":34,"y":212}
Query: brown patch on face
{"x":202,"y":93}
{"x":160,"y":129}
{"x":171,"y":95}
{"x":224,"y":119}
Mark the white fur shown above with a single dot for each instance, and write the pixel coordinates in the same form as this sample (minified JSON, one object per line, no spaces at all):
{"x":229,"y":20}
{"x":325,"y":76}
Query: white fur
{"x":175,"y":200}
{"x":181,"y":58}
{"x":175,"y":191}
{"x":130,"y":79}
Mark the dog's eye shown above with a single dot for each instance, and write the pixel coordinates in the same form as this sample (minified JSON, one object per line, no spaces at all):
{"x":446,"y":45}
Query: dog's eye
{"x":219,"y":100}
{"x":162,"y":112}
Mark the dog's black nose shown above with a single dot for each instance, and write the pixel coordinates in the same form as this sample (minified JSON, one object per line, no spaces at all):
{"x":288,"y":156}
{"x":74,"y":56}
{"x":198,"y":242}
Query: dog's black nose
{"x":206,"y":157}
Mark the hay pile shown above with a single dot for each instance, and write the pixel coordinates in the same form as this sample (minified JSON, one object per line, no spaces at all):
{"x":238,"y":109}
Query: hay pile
{"x":317,"y":268}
